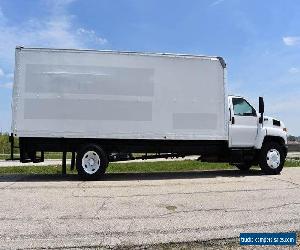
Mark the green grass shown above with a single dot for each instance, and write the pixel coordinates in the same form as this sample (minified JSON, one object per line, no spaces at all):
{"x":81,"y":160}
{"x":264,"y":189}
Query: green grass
{"x":165,"y":166}
{"x":139,"y":167}
{"x":6,"y":156}
{"x":48,"y":155}
{"x":292,"y":163}
{"x":31,"y":170}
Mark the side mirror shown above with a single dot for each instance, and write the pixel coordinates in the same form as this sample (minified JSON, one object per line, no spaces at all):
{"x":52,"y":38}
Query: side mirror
{"x":261,"y":109}
{"x":261,"y":105}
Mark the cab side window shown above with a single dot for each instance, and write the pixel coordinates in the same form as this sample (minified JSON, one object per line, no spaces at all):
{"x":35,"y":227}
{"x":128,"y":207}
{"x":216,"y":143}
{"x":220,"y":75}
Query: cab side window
{"x":242,"y":108}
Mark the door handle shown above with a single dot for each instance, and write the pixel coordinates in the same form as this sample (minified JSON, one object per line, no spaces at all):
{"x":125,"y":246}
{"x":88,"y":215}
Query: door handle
{"x":232,"y":120}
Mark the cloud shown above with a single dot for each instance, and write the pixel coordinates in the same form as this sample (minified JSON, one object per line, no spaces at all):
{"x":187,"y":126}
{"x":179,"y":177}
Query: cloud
{"x":57,"y":30}
{"x":6,"y":75}
{"x":91,"y":36}
{"x":291,"y":40}
{"x":294,"y":70}
{"x":217,"y":2}
{"x":7,"y":85}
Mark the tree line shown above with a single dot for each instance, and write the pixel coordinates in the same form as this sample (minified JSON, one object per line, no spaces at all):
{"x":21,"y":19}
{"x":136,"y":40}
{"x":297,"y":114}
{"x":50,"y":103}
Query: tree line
{"x":5,"y":144}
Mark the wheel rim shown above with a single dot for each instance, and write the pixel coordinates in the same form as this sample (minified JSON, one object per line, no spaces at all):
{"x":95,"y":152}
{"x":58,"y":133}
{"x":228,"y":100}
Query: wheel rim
{"x":273,"y":158}
{"x":91,"y":162}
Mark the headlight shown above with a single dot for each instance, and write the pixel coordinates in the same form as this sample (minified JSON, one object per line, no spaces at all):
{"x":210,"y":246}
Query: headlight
{"x":284,"y":129}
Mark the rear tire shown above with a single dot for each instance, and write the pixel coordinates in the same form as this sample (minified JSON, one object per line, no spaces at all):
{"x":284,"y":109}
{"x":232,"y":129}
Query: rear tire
{"x":91,"y":162}
{"x":245,"y":167}
{"x":272,"y":158}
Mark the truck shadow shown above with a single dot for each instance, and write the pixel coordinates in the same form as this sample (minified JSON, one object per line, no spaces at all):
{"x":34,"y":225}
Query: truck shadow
{"x":130,"y":176}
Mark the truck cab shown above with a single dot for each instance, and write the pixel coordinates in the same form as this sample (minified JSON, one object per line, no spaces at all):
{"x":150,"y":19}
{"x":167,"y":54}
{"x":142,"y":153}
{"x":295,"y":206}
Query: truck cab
{"x":249,"y":129}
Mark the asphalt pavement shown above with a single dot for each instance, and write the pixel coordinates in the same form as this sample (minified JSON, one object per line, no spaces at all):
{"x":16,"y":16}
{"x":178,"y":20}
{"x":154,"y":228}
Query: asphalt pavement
{"x":43,"y":211}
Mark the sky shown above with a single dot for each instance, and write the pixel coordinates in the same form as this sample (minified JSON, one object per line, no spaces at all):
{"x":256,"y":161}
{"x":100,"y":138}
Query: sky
{"x":259,"y":40}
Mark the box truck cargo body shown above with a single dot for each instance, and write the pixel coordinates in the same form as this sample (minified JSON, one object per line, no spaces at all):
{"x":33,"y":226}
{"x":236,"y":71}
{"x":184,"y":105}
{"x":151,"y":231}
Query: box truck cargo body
{"x":91,"y":94}
{"x":105,"y":101}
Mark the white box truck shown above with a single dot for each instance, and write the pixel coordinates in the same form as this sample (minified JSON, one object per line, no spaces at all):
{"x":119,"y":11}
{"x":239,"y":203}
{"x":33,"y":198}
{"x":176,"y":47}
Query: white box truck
{"x":98,"y":102}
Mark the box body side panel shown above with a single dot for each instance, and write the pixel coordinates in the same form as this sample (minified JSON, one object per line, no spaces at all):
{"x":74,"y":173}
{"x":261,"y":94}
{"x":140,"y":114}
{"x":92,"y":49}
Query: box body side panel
{"x":86,"y":94}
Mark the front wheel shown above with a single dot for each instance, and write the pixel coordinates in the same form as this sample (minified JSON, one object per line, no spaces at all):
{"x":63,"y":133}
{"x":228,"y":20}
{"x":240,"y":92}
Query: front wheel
{"x":272,"y":158}
{"x":91,"y":162}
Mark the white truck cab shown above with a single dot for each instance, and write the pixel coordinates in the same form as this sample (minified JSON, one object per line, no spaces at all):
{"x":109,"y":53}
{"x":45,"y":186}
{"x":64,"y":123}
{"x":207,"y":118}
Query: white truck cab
{"x":251,"y":129}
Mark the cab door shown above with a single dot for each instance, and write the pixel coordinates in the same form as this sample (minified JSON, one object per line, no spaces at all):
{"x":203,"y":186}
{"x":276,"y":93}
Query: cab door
{"x":243,"y":123}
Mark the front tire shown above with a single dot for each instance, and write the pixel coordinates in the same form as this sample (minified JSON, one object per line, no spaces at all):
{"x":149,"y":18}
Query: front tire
{"x":272,"y":158}
{"x":91,"y":162}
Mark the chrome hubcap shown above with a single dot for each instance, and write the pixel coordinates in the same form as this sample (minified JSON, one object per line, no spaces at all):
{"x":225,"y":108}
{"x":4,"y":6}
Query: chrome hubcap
{"x":273,"y":158}
{"x":91,"y":162}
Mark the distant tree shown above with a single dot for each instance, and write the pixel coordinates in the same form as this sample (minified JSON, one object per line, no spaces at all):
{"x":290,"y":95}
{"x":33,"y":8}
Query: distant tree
{"x":4,"y":144}
{"x":291,"y":138}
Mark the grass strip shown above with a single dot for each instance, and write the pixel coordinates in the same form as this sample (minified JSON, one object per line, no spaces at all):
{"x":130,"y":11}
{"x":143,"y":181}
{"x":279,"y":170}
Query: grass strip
{"x":132,"y":167}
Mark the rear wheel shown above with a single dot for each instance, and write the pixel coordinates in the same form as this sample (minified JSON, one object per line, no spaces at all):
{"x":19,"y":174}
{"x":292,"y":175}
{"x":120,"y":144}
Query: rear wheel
{"x":272,"y":158}
{"x":243,"y":166}
{"x":91,"y":162}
